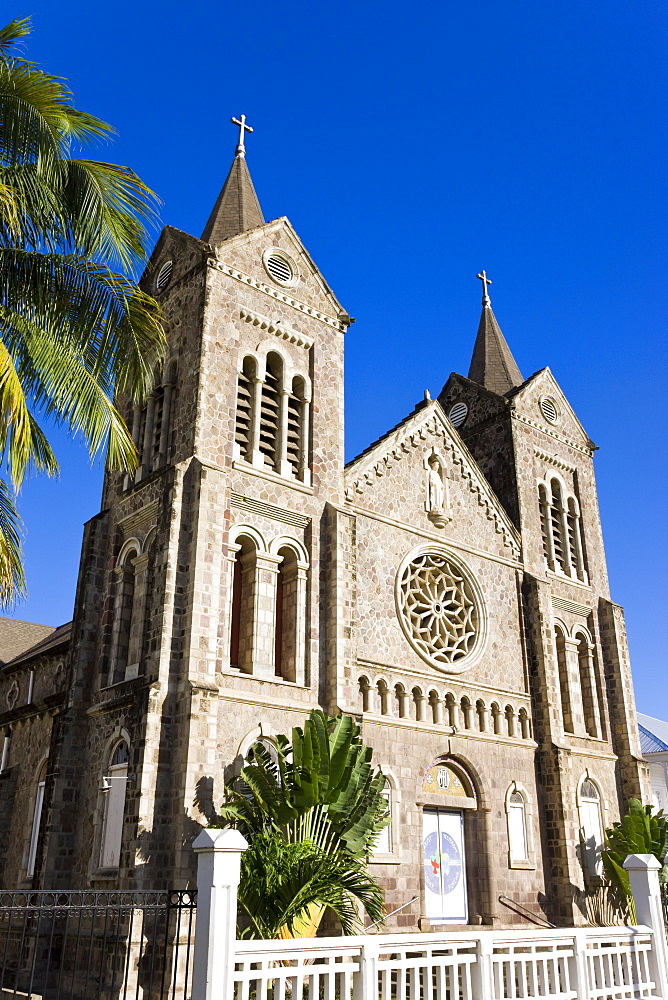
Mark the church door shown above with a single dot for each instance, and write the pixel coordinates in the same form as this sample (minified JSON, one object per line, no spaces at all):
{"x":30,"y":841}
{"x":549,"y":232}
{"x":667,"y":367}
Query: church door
{"x":444,"y":866}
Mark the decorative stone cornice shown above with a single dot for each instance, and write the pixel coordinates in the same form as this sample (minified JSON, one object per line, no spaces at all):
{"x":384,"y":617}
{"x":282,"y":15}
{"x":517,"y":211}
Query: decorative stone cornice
{"x":270,"y":326}
{"x":414,"y":434}
{"x":140,"y":517}
{"x":245,"y":279}
{"x":550,"y":432}
{"x":269,"y":510}
{"x":545,"y":457}
{"x":562,"y":604}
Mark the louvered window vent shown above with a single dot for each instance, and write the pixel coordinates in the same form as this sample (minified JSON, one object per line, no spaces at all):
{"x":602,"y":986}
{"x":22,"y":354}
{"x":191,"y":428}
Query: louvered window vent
{"x":548,"y":408}
{"x":458,"y":414}
{"x":280,"y":267}
{"x":164,"y":275}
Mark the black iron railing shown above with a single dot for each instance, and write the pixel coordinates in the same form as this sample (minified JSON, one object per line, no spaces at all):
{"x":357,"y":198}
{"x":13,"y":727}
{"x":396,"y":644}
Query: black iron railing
{"x":97,"y":945}
{"x":664,"y":901}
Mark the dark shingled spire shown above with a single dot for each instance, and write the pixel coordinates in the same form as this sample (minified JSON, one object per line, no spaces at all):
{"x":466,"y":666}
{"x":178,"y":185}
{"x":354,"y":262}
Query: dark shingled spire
{"x":237,"y":208}
{"x":492,"y":364}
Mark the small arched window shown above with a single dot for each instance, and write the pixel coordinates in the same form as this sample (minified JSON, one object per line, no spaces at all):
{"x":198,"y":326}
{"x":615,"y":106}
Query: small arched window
{"x":270,"y":410}
{"x":127,"y":625}
{"x":400,"y":701}
{"x":561,"y":530}
{"x":591,"y":826}
{"x":296,"y":446}
{"x":557,"y":520}
{"x":564,"y":680}
{"x":385,"y":842}
{"x":590,"y":703}
{"x":114,"y":787}
{"x":366,"y":693}
{"x":36,"y":820}
{"x":242,"y":611}
{"x":518,"y":842}
{"x":244,"y":415}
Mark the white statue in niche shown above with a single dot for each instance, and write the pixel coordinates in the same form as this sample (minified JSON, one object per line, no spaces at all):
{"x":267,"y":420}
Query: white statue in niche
{"x":436,"y":503}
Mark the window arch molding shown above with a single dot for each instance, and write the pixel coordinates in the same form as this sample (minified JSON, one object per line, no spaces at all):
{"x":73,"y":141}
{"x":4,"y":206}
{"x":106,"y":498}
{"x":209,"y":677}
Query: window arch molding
{"x":259,"y":732}
{"x":131,"y":546}
{"x":519,"y":827}
{"x":288,"y":542}
{"x":238,"y":531}
{"x":290,"y":369}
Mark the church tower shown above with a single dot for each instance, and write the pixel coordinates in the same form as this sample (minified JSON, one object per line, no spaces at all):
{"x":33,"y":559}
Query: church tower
{"x":196,"y":577}
{"x":539,"y":460}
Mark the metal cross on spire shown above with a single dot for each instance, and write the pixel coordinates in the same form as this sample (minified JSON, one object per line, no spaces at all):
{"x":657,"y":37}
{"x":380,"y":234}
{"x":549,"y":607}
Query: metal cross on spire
{"x":485,"y":282}
{"x":243,"y":127}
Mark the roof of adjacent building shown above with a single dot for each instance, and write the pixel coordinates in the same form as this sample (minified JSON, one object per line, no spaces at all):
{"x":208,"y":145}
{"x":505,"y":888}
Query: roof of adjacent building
{"x":653,"y":734}
{"x":17,"y":636}
{"x":237,"y":208}
{"x":492,"y":363}
{"x":41,"y":643}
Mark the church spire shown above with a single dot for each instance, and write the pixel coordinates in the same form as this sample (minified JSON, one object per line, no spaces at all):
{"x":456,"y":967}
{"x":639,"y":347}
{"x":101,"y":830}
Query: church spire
{"x":492,"y":364}
{"x":237,"y":208}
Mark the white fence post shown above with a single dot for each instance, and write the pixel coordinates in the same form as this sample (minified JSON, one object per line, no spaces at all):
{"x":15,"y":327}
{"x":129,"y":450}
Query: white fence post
{"x":482,"y":972}
{"x":365,"y":982}
{"x":643,"y":872}
{"x":218,"y":865}
{"x":580,"y":967}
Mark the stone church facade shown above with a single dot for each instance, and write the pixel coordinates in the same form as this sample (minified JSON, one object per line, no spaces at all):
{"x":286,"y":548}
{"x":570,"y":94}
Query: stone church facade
{"x":447,"y":587}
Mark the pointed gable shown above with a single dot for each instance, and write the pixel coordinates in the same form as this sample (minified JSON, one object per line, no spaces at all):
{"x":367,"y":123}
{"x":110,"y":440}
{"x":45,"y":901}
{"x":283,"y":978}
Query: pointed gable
{"x":389,"y":476}
{"x":540,"y":402}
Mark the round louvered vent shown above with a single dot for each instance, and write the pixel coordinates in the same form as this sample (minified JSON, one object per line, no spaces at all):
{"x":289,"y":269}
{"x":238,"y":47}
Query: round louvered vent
{"x":164,"y":274}
{"x":280,"y":267}
{"x":458,"y":414}
{"x":548,"y":408}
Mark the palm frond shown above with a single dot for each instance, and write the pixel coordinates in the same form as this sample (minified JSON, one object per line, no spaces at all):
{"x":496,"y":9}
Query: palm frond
{"x":22,"y":442}
{"x":12,"y":577}
{"x":11,"y":35}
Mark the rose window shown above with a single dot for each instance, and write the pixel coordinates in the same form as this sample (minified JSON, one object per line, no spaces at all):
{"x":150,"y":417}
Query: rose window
{"x":438,"y":609}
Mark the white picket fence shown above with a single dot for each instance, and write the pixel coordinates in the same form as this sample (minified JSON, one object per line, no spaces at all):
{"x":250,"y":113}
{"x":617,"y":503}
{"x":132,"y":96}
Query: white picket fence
{"x":588,"y":963}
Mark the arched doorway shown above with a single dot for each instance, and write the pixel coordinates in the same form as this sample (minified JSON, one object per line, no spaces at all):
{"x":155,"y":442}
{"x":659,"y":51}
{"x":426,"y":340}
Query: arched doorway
{"x":449,"y":792}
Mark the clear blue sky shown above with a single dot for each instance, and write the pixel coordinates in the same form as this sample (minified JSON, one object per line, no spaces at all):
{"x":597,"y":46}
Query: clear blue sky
{"x":412,"y":145}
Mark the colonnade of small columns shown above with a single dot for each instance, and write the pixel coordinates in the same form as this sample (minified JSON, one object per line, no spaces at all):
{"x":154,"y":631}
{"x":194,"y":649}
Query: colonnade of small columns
{"x":379,"y":698}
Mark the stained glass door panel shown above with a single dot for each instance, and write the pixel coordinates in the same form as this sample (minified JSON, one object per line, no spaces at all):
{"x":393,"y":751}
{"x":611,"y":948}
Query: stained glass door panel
{"x":444,"y":866}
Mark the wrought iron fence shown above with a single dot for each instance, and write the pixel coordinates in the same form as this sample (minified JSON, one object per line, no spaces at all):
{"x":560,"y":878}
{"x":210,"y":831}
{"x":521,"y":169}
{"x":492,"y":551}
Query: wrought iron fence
{"x":97,"y":945}
{"x":664,"y":902}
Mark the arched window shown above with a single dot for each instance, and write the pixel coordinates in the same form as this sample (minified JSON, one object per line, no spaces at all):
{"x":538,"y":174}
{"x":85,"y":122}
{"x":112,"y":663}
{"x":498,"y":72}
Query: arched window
{"x":525,"y":724}
{"x":150,"y":426}
{"x":243,"y":431}
{"x":286,"y":618}
{"x":497,"y":716}
{"x":114,"y":786}
{"x":153,"y":606}
{"x":564,"y":681}
{"x":242,"y":617}
{"x":270,"y":410}
{"x":510,"y":720}
{"x":401,"y":701}
{"x":557,"y":521}
{"x":451,"y":709}
{"x":36,"y":820}
{"x":128,"y":621}
{"x":418,"y":704}
{"x":590,"y":702}
{"x":560,"y":530}
{"x":591,"y":825}
{"x":467,"y":713}
{"x":518,"y":841}
{"x":385,"y":842}
{"x":296,"y":446}
{"x":436,"y":705}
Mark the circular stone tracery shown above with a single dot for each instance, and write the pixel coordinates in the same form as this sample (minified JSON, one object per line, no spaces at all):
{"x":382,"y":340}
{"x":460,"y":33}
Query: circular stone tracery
{"x":439,"y":610}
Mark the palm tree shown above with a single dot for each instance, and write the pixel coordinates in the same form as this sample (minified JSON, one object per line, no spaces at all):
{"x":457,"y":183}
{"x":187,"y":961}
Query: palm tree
{"x":312,"y":810}
{"x":75,"y":329}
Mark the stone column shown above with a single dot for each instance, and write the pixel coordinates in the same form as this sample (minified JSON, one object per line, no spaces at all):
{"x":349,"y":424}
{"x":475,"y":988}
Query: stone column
{"x":163,"y":446}
{"x":255,"y":456}
{"x":283,"y":467}
{"x":300,"y":623}
{"x":137,"y":616}
{"x":264,"y":618}
{"x":304,"y":467}
{"x":571,"y":653}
